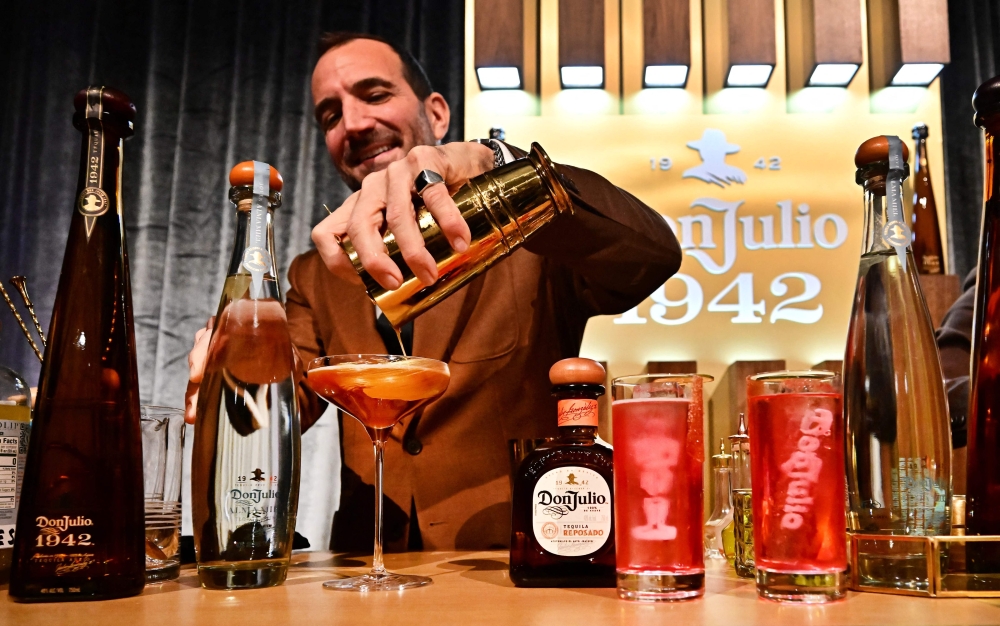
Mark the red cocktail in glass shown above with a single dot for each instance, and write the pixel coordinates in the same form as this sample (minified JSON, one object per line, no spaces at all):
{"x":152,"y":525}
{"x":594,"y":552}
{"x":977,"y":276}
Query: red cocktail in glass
{"x":658,"y":458}
{"x":378,"y":391}
{"x":797,"y":472}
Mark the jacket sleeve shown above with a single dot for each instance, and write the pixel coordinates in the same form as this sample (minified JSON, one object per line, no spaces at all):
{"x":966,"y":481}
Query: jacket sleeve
{"x":305,"y":340}
{"x":954,"y":340}
{"x":616,"y":249}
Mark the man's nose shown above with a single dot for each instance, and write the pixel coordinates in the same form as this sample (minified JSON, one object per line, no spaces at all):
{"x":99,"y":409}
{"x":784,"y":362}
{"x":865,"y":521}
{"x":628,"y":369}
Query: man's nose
{"x":357,"y":118}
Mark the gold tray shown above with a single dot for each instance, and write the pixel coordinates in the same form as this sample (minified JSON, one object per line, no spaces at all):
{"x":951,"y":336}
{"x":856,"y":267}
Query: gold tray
{"x":932,"y":567}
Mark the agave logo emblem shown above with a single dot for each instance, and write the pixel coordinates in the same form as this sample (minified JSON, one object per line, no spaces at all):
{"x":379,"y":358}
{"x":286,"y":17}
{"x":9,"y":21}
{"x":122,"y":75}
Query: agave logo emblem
{"x":713,"y":148}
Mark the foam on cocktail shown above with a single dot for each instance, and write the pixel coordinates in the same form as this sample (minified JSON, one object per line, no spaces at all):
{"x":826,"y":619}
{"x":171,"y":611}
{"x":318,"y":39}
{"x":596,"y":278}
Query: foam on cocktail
{"x":405,"y":381}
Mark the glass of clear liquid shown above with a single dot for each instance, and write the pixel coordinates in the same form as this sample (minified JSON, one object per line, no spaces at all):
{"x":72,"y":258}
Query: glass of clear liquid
{"x":162,"y":456}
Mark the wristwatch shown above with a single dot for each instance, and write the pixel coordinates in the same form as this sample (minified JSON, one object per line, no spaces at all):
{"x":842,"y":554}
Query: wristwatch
{"x":501,"y":154}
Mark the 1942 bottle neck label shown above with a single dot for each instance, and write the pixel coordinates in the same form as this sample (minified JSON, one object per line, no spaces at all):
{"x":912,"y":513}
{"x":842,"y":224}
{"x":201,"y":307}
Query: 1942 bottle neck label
{"x":571,"y":511}
{"x":93,"y":202}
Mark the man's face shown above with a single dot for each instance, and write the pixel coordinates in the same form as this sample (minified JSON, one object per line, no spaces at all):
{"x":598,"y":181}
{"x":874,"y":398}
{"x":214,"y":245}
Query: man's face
{"x":367,"y":111}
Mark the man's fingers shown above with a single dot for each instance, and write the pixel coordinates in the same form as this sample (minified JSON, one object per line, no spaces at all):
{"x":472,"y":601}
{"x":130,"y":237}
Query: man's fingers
{"x":401,"y":218}
{"x":448,"y":217}
{"x":191,"y":403}
{"x":365,"y":231}
{"x":325,"y":234}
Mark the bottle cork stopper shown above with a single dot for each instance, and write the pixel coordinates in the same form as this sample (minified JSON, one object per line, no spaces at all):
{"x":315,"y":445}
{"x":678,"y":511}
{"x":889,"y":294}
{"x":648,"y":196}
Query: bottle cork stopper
{"x":986,"y":101}
{"x":242,"y":174}
{"x":114,"y":102}
{"x":577,"y":372}
{"x":876,"y":150}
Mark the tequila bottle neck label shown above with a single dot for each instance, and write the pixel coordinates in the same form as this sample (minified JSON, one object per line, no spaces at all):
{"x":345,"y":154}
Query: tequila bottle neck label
{"x":896,"y":233}
{"x":577,"y":412}
{"x":93,"y":202}
{"x":256,"y":258}
{"x":571,"y":511}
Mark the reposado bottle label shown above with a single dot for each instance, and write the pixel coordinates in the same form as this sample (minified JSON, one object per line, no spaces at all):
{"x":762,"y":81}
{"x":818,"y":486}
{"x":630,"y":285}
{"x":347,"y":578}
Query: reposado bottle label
{"x":571,"y":513}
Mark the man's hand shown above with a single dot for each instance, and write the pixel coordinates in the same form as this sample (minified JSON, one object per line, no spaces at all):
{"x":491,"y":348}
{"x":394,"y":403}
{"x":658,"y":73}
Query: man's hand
{"x":196,"y":369}
{"x":387,"y":196}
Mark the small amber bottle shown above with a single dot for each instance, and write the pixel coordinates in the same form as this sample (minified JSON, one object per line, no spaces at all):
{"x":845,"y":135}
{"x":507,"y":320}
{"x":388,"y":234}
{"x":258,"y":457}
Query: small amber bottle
{"x":562,"y":531}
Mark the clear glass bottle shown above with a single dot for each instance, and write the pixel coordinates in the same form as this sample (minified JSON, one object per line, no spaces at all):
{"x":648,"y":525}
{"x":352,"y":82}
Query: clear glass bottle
{"x":739,"y":447}
{"x":245,"y":467}
{"x":15,"y":424}
{"x":896,"y":413}
{"x":722,"y":511}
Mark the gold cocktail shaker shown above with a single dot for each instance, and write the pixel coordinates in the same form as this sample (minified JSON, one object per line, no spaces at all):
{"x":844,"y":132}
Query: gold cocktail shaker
{"x":503,"y":208}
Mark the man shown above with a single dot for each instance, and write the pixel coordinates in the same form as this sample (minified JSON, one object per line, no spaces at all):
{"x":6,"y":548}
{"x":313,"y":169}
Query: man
{"x":447,"y":480}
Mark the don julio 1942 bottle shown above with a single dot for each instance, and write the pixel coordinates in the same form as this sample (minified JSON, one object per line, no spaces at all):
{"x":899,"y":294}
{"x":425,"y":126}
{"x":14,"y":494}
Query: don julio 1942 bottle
{"x":562,"y":526}
{"x":80,"y":527}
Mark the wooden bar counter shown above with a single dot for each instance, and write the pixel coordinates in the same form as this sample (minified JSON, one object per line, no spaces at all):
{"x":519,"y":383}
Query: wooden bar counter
{"x":473,"y":588}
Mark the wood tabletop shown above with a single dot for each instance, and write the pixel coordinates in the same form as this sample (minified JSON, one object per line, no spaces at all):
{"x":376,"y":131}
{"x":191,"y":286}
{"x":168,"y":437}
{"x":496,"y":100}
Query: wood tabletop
{"x":473,"y":588}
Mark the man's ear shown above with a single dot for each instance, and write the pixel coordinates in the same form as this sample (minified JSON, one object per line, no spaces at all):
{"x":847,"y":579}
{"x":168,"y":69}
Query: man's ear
{"x":438,"y":114}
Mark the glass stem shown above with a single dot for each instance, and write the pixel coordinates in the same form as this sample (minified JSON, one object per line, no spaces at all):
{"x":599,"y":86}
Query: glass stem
{"x":377,"y":567}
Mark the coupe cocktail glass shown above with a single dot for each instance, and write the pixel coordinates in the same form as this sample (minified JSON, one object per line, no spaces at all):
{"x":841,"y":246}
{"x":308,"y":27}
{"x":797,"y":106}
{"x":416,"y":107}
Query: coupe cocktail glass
{"x":659,"y":454}
{"x":796,"y":425}
{"x":378,"y":391}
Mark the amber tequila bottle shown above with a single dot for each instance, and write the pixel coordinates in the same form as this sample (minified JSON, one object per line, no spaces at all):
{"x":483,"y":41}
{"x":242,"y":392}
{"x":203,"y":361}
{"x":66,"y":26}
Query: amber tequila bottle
{"x":245,"y":465}
{"x":898,"y":439}
{"x":80,"y":525}
{"x":983,"y":490}
{"x":562,"y":527}
{"x":927,"y":251}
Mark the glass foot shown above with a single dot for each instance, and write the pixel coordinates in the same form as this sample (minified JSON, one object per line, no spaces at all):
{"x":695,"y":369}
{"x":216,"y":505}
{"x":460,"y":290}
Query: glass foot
{"x":385,"y":581}
{"x":654,"y":586}
{"x":806,"y":587}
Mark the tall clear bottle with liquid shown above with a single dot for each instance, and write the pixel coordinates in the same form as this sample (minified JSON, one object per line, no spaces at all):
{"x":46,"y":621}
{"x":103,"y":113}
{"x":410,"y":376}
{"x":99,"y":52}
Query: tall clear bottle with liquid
{"x":245,"y":467}
{"x":898,"y":439}
{"x":722,"y":508}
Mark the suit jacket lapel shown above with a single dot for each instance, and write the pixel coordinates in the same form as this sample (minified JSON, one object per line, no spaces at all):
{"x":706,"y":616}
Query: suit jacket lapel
{"x":353,"y":318}
{"x":436,"y":330}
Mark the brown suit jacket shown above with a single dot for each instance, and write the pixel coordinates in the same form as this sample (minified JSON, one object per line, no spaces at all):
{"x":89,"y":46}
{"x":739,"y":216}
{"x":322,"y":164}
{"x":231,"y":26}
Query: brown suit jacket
{"x":499,"y":336}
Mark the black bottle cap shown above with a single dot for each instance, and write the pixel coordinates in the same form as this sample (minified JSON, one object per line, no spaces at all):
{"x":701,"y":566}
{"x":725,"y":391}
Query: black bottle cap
{"x":986,"y":101}
{"x":920,"y":131}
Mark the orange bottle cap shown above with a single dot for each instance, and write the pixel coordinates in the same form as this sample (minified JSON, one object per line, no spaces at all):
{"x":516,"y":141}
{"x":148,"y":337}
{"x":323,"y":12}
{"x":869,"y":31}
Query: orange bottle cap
{"x":876,"y":150}
{"x":242,"y":174}
{"x":577,"y":371}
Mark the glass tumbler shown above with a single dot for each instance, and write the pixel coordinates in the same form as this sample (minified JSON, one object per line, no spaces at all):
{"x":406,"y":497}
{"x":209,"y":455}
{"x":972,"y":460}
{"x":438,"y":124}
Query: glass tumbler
{"x":657,"y":422}
{"x":162,"y":461}
{"x":796,"y":426}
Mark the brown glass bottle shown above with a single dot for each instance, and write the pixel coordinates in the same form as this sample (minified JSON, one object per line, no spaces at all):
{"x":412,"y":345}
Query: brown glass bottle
{"x":80,"y":530}
{"x":927,"y":251}
{"x":983,"y":487}
{"x":562,"y":526}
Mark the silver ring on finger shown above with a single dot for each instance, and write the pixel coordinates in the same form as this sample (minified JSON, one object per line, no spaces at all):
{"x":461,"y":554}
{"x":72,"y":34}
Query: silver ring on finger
{"x":425,"y":179}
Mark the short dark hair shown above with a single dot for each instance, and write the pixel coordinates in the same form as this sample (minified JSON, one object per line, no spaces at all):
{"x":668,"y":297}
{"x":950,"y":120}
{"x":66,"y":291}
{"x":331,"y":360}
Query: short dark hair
{"x":413,"y":72}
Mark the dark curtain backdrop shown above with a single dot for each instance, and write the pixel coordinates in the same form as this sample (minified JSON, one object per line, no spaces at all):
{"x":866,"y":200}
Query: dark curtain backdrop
{"x":215,"y":82}
{"x":975,"y":58}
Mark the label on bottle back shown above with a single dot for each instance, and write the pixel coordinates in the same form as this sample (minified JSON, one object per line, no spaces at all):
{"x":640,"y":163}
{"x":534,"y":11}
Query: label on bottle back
{"x":93,"y":202}
{"x":572,"y":511}
{"x":14,"y":429}
{"x":577,"y":412}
